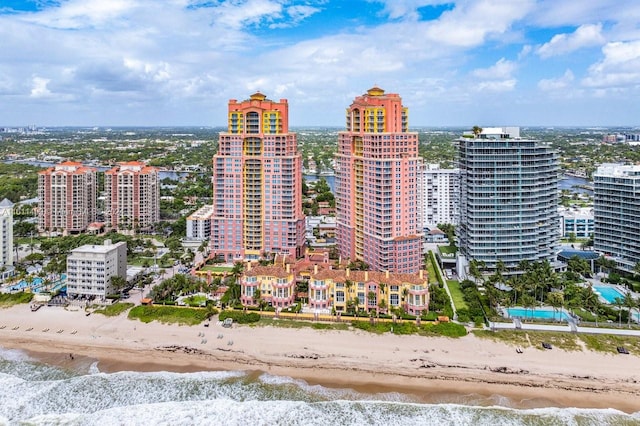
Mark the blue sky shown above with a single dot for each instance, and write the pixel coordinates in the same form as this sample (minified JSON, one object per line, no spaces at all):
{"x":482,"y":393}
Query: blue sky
{"x":455,"y":63}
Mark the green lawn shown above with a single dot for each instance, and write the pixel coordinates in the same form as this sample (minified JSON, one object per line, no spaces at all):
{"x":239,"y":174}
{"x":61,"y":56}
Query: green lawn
{"x":448,"y":249}
{"x":114,"y":310}
{"x":456,"y":295}
{"x":214,"y":268}
{"x":7,"y":300}
{"x":168,"y":314}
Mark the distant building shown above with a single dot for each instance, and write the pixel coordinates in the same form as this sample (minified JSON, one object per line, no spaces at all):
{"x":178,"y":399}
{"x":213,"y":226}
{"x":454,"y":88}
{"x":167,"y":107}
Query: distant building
{"x":132,"y":197}
{"x":577,"y":221}
{"x":377,"y":185}
{"x":199,"y":224}
{"x":508,"y":199}
{"x":67,"y":198}
{"x":257,"y":183}
{"x":616,"y":206}
{"x":90,"y":268}
{"x":6,"y":239}
{"x":438,"y":195}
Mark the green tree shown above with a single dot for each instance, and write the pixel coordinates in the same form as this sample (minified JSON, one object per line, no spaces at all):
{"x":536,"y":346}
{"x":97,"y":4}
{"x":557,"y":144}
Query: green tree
{"x":618,"y":302}
{"x":118,"y":283}
{"x":629,"y":303}
{"x":556,"y":300}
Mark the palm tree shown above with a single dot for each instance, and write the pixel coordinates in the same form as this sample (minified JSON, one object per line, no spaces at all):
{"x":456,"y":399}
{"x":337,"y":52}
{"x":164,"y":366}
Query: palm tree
{"x":556,"y":300}
{"x":629,"y":303}
{"x":618,"y":303}
{"x":349,"y":285}
{"x":475,"y":270}
{"x":636,"y":268}
{"x":476,"y":130}
{"x":371,"y":297}
{"x":356,"y":305}
{"x":591,"y":301}
{"x":382,"y":305}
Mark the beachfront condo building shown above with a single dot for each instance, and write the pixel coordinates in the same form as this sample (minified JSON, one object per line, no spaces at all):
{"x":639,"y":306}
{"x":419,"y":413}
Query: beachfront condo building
{"x":199,"y":224}
{"x":67,"y":198}
{"x":91,"y":267}
{"x":337,"y":290}
{"x":257,"y":184}
{"x":377,"y":185}
{"x":508,"y":199}
{"x":6,"y":239}
{"x":274,"y":285}
{"x":438,"y":195}
{"x":132,"y":197}
{"x":616,"y":206}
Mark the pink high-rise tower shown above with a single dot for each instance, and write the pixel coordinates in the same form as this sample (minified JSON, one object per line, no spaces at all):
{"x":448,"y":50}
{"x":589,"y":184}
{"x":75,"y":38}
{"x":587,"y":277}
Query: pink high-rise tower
{"x":376,"y":185}
{"x":257,"y":184}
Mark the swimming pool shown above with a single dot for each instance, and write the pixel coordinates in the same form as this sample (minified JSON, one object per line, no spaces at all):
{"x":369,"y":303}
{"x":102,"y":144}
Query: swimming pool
{"x":608,"y":293}
{"x":548,"y":314}
{"x":23,"y":284}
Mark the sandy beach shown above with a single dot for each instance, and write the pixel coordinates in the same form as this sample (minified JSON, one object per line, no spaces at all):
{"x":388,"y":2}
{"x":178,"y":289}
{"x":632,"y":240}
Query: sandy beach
{"x":423,"y":366}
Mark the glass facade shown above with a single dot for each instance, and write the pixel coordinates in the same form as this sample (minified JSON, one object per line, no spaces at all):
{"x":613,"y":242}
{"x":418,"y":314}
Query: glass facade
{"x":508,"y":201}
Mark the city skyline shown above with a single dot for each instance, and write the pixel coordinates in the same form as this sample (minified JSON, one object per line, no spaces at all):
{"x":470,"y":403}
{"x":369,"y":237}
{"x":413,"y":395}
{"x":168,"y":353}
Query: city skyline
{"x":456,"y":63}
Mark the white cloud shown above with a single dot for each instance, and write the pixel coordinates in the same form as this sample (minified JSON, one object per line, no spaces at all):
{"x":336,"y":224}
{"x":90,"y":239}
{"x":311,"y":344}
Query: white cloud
{"x":76,"y":14}
{"x":470,"y":23}
{"x":407,"y":9}
{"x":619,"y":68}
{"x":554,"y":84}
{"x":39,"y":88}
{"x":583,"y":36}
{"x":524,"y":52}
{"x":502,"y":69}
{"x":237,"y":14}
{"x":496,"y":86}
{"x":556,"y":13}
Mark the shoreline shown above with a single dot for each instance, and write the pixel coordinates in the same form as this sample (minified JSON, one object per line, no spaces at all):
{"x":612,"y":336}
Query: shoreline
{"x":432,"y":370}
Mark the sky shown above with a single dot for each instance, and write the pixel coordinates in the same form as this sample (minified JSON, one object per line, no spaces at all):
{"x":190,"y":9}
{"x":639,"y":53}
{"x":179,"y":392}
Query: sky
{"x":454,"y":63}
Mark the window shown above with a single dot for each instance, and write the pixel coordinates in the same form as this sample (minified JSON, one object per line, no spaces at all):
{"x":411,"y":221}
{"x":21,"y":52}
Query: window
{"x":394,"y":299}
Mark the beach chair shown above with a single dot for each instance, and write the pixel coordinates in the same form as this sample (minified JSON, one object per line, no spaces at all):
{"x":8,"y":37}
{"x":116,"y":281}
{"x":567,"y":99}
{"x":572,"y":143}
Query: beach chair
{"x":622,"y":350}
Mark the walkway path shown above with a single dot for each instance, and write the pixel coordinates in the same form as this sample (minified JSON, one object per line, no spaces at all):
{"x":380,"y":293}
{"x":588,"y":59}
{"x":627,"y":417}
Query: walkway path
{"x":564,"y":328}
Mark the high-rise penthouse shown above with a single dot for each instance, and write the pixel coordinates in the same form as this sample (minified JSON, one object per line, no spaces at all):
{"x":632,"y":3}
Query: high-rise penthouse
{"x":67,"y":198}
{"x":616,"y":207}
{"x":508,"y":199}
{"x":132,"y":196}
{"x":376,"y":185}
{"x":257,"y":184}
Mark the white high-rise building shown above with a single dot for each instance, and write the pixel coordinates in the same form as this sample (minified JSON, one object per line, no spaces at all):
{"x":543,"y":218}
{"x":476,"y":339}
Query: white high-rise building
{"x":616,"y":207}
{"x":90,"y":268}
{"x":438,"y":195}
{"x":508,"y":199}
{"x":199,"y":224}
{"x":6,"y":238}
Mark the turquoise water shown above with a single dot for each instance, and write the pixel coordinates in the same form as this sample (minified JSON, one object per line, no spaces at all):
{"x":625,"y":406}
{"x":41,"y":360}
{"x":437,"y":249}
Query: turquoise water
{"x":37,"y":283}
{"x":23,"y":284}
{"x":608,"y":293}
{"x":38,"y":394}
{"x":549,"y":314}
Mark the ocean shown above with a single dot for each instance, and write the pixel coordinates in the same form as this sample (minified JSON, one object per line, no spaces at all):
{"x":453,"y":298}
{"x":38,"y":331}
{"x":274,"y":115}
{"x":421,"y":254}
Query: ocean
{"x":35,"y":393}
